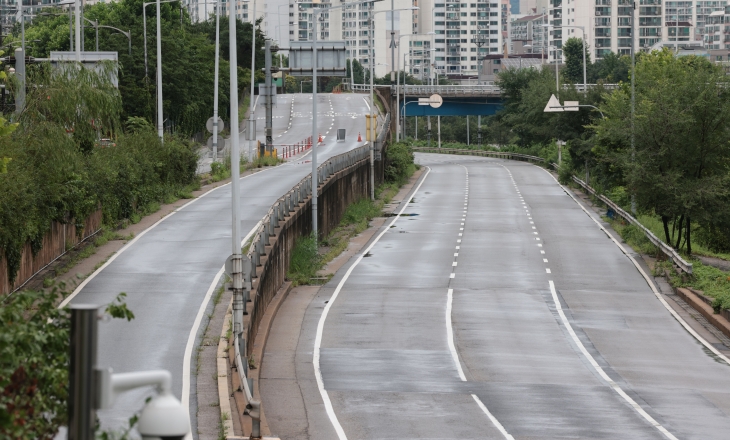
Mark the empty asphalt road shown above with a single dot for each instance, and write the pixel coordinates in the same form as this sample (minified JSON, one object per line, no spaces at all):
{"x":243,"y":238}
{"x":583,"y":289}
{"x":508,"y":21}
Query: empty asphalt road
{"x":167,"y":272}
{"x":493,"y":307}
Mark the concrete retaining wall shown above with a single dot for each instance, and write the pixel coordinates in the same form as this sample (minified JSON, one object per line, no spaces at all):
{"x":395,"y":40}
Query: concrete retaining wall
{"x":336,"y":193}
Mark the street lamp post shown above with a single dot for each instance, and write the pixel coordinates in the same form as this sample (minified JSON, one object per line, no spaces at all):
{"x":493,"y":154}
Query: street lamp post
{"x":249,"y":130}
{"x":397,"y":91}
{"x":676,"y":28}
{"x":557,"y":73}
{"x":95,"y":25}
{"x":159,"y":74}
{"x":215,"y":81}
{"x":583,"y":29}
{"x":144,"y":26}
{"x":237,"y":273}
{"x":373,"y":119}
{"x":404,"y":97}
{"x":315,"y":13}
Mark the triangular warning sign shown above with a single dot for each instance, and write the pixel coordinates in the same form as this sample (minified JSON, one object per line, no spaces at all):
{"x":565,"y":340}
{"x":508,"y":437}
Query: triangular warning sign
{"x":553,"y":103}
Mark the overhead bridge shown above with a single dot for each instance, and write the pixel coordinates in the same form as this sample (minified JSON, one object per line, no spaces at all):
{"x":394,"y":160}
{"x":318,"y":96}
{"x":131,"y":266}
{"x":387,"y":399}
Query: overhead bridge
{"x":458,"y":100}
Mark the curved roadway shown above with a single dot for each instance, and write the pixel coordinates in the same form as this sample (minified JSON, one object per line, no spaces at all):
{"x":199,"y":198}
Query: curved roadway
{"x":495,"y":307}
{"x":167,"y":270}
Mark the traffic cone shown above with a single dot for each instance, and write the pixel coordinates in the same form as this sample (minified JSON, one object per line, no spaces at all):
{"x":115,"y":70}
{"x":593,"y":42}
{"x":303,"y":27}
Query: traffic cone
{"x":359,"y":138}
{"x":320,"y":138}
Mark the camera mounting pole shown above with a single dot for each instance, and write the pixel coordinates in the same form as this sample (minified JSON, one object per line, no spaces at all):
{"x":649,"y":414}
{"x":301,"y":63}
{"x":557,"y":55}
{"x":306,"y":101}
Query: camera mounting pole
{"x":92,"y":388}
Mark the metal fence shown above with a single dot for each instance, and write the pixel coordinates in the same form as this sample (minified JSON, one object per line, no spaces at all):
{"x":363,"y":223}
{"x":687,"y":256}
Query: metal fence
{"x":666,"y":249}
{"x":278,"y":212}
{"x":466,"y":89}
{"x":670,"y":252}
{"x":61,"y":238}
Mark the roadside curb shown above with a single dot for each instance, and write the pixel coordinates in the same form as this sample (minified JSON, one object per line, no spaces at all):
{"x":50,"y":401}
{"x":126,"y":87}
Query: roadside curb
{"x":226,"y":363}
{"x":702,"y":304}
{"x":260,"y":344}
{"x":222,"y":361}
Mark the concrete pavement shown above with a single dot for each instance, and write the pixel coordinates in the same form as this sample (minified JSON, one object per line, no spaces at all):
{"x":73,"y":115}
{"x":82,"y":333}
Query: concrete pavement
{"x":495,"y":308}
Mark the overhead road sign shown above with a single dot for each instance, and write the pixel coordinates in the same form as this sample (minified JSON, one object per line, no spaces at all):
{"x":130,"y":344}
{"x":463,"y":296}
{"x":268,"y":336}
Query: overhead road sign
{"x":331,"y":58}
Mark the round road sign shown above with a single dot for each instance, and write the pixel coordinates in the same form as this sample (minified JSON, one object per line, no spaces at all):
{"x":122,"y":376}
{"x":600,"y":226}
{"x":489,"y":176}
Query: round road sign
{"x":209,"y":125}
{"x":436,"y":100}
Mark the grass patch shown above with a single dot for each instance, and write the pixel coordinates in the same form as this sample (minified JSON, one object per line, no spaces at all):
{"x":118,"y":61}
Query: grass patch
{"x":308,"y":258}
{"x":305,"y":261}
{"x":634,"y":236}
{"x":713,"y":282}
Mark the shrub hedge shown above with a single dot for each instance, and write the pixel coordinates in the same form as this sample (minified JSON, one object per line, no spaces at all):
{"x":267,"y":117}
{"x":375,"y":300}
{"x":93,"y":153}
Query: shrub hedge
{"x":50,"y":178}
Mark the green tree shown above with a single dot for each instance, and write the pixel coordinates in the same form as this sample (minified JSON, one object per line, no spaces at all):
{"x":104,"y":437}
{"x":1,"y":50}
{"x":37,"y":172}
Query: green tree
{"x":611,"y":69}
{"x":679,"y":168}
{"x":573,"y":52}
{"x":358,"y":71}
{"x":187,"y":60}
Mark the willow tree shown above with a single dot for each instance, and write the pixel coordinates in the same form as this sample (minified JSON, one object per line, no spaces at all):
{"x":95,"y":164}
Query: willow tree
{"x":84,"y":101}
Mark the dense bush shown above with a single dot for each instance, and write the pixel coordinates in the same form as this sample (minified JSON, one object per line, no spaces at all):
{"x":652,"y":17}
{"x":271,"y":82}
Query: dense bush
{"x":399,"y":162}
{"x":50,"y":179}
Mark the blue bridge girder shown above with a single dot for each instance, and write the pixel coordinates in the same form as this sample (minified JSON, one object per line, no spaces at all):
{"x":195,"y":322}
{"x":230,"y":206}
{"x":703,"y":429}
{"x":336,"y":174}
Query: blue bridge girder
{"x":461,"y":106}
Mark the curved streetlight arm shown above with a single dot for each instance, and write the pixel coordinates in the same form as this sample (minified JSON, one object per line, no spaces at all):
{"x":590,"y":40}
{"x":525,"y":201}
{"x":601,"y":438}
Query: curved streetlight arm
{"x":581,"y":105}
{"x":126,"y":34}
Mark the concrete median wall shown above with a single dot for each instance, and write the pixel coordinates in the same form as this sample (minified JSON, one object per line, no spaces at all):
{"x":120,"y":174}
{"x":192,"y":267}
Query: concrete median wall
{"x":293,"y":220}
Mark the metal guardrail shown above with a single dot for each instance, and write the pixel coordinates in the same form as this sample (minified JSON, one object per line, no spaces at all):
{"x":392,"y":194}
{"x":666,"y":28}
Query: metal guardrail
{"x":278,"y":212}
{"x":466,"y":90}
{"x":670,"y":252}
{"x":495,"y":154}
{"x":455,"y":90}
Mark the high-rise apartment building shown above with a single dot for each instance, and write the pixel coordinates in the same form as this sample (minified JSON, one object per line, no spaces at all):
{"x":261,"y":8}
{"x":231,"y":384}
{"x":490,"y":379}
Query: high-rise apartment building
{"x":352,"y":23}
{"x":531,"y":7}
{"x":608,"y":25}
{"x":717,"y":30}
{"x":464,"y":32}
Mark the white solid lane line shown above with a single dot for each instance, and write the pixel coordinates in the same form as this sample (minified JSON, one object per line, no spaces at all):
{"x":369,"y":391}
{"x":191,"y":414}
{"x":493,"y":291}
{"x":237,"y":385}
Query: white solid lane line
{"x":600,"y":371}
{"x":646,"y":278}
{"x":320,"y":325}
{"x":613,"y":385}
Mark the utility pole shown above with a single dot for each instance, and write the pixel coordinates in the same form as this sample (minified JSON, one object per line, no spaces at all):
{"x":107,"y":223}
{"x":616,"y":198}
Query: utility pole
{"x":215,"y":83}
{"x":269,"y":101}
{"x":392,"y":42}
{"x":633,"y":97}
{"x":251,"y":130}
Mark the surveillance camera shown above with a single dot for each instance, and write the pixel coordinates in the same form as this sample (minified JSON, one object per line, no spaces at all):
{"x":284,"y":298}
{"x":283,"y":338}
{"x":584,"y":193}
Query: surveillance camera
{"x":164,"y":418}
